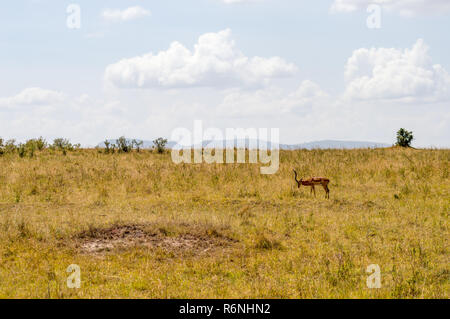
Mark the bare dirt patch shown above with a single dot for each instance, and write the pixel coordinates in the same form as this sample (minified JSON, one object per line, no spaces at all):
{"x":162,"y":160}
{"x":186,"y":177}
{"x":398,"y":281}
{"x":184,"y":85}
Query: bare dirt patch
{"x":122,"y":237}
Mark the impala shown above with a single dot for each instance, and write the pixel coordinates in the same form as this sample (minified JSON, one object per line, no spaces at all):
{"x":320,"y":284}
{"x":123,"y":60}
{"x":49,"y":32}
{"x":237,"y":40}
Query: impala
{"x":314,"y":181}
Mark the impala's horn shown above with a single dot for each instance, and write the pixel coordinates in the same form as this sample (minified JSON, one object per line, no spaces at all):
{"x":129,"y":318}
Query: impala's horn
{"x":295,"y":177}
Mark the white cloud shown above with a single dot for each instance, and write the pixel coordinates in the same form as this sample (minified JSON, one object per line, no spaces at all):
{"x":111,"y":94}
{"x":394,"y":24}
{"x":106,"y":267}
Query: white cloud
{"x":131,"y":13}
{"x":214,"y":62}
{"x":32,"y":96}
{"x":402,"y":7}
{"x":408,"y":75}
{"x":273,"y":101}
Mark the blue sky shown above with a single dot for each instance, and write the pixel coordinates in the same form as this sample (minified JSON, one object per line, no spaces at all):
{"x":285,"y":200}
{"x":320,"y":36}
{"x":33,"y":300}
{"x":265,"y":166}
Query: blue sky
{"x":315,"y":70}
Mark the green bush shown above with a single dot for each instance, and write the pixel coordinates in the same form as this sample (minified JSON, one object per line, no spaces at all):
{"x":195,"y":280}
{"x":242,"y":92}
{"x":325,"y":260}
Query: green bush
{"x":33,"y":145}
{"x":8,"y":147}
{"x":123,"y":145}
{"x":22,"y":150}
{"x":107,"y":148}
{"x":36,"y":144}
{"x":11,"y":146}
{"x":62,"y":144}
{"x":160,"y":144}
{"x":137,"y":144}
{"x":404,"y":138}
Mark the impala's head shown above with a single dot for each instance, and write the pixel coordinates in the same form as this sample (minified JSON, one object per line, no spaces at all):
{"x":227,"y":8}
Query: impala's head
{"x":299,"y":182}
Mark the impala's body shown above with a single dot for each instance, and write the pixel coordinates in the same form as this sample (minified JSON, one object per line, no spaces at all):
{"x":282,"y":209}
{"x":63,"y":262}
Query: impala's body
{"x":323,"y":181}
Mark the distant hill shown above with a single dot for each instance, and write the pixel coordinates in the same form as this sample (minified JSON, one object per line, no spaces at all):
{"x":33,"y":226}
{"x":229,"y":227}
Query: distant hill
{"x":325,"y":144}
{"x":335,"y":144}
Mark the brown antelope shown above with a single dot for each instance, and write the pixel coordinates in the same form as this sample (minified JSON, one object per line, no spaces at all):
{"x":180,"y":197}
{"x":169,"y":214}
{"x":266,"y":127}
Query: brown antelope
{"x":314,"y":181}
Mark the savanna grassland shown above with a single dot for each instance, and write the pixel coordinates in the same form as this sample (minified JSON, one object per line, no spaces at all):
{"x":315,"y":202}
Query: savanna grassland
{"x":140,"y":226}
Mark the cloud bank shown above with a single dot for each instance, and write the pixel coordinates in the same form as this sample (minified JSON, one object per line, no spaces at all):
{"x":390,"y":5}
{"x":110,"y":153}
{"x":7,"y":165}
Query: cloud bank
{"x":214,"y":62}
{"x":383,"y":73}
{"x":32,"y":96}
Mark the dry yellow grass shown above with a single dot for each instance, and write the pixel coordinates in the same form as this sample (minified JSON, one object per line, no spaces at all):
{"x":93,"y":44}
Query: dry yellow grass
{"x":388,"y":207}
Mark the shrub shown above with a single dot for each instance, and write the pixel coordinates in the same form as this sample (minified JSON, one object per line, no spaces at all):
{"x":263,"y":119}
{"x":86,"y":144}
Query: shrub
{"x":62,"y":144}
{"x":123,"y":145}
{"x":10,"y":146}
{"x":22,"y":150}
{"x":160,"y":144}
{"x":36,"y":144}
{"x":404,"y":138}
{"x":107,"y":144}
{"x":137,"y":144}
{"x":7,"y":147}
{"x":41,"y":143}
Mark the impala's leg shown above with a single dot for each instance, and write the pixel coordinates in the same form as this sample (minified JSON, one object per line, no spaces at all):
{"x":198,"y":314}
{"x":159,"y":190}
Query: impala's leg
{"x":328,"y":192}
{"x":310,"y":191}
{"x":314,"y":190}
{"x":325,"y":189}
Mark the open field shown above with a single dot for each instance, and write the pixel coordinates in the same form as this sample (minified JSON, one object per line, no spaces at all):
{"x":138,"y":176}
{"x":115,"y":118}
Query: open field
{"x":140,"y":226}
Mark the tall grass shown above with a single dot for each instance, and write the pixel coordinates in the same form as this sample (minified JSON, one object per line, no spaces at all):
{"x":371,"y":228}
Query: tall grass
{"x":387,"y":206}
